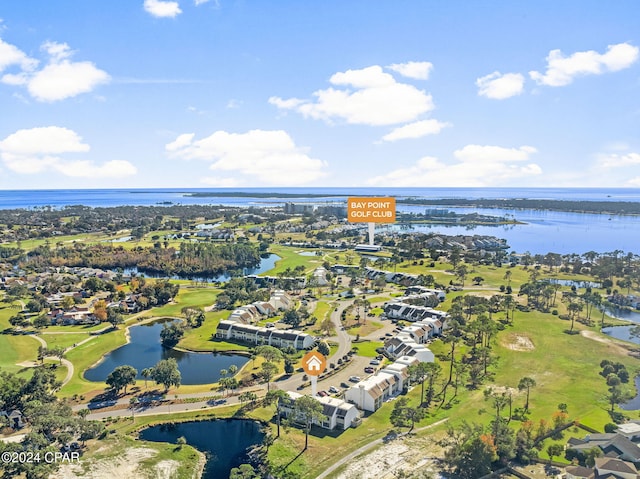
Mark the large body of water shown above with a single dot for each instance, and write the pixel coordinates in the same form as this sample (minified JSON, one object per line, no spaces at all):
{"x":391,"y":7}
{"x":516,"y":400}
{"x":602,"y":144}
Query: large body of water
{"x":144,"y":350}
{"x":224,"y":441}
{"x":545,"y":231}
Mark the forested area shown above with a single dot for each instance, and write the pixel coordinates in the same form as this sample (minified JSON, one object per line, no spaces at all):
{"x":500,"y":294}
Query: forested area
{"x":190,"y":259}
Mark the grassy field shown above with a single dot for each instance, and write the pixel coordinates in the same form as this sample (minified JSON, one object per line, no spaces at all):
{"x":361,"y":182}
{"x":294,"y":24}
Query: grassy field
{"x":289,"y":258}
{"x":85,"y":356}
{"x":63,"y":340}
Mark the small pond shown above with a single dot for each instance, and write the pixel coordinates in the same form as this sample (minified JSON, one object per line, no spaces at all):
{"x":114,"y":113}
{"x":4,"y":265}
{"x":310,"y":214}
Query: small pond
{"x":224,"y":441}
{"x":310,"y":253}
{"x":634,"y":404}
{"x":267,"y":263}
{"x":144,"y":351}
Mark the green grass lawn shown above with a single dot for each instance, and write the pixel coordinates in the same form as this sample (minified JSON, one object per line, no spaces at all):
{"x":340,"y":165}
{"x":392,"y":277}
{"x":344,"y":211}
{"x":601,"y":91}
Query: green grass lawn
{"x":85,"y":356}
{"x":368,"y":348}
{"x":63,"y":340}
{"x":289,"y":258}
{"x":199,"y":339}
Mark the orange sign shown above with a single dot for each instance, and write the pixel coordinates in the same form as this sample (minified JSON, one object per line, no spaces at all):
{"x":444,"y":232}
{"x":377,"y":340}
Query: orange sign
{"x":371,"y":210}
{"x":314,"y":363}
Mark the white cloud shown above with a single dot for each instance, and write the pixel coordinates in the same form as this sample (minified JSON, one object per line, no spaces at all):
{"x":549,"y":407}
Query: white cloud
{"x":161,"y":8}
{"x":11,"y":55}
{"x":59,"y":79}
{"x":271,"y":157}
{"x":493,"y":154}
{"x":476,"y":166}
{"x":417,"y":129}
{"x":374,"y":98}
{"x":562,"y":70}
{"x":88,"y":169}
{"x":615,"y":160}
{"x":415,"y":70}
{"x":39,"y":149}
{"x":498,"y":86}
{"x":634,"y":182}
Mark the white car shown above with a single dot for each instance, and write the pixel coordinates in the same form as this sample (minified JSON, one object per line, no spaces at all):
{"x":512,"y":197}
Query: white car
{"x":374,"y":362}
{"x":354,"y":379}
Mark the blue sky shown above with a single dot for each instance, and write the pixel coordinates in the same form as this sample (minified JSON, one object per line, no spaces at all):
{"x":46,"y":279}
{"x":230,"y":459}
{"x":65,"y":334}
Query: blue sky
{"x":231,"y":93}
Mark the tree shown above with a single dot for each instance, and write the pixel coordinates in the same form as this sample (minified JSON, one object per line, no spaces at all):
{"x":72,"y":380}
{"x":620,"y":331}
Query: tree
{"x":616,"y":396}
{"x":146,"y":374}
{"x":308,"y":410}
{"x":114,"y":317}
{"x":404,"y":415}
{"x":526,"y":383}
{"x":269,"y":353}
{"x":268,"y":371}
{"x":470,"y":452}
{"x":276,"y":396}
{"x":172,"y":334}
{"x":244,"y":471}
{"x":181,"y":441}
{"x":166,"y":372}
{"x":554,"y":450}
{"x":292,"y":318}
{"x":247,"y":397}
{"x":323,"y":348}
{"x":477,"y":280}
{"x":121,"y":377}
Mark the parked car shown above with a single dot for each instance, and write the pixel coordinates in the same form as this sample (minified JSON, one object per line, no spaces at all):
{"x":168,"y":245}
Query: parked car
{"x":323,"y":393}
{"x":344,"y":385}
{"x":334,"y":390}
{"x":354,"y":379}
{"x":375,"y":362}
{"x":369,"y":370}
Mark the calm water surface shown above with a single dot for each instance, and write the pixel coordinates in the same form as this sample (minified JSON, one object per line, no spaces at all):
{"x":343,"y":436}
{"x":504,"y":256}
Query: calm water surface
{"x":144,"y":351}
{"x":224,"y":441}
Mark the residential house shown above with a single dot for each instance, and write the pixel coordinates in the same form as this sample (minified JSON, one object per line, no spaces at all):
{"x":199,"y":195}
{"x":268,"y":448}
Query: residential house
{"x":419,"y":290}
{"x":630,"y":430}
{"x":14,"y":418}
{"x":612,"y":445}
{"x":370,"y":393}
{"x":338,"y":414}
{"x":235,"y":331}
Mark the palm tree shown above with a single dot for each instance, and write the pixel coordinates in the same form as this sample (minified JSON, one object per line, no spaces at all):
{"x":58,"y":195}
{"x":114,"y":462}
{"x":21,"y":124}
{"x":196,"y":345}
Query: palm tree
{"x":526,"y":383}
{"x":146,"y":374}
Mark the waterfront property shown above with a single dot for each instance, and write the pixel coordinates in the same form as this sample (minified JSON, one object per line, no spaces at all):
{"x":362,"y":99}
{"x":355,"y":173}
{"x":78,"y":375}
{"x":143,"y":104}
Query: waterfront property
{"x":338,"y":414}
{"x":234,"y":331}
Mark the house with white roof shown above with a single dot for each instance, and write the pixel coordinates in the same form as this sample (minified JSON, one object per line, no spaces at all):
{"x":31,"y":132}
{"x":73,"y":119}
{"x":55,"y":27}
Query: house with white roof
{"x":370,"y":393}
{"x":234,"y":331}
{"x":338,"y":414}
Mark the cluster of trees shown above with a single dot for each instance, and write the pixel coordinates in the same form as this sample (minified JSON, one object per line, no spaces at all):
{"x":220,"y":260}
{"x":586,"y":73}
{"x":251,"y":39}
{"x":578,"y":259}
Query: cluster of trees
{"x":165,"y":372}
{"x":52,"y":423}
{"x":192,"y":258}
{"x":239,"y":291}
{"x":616,"y":375}
{"x":46,"y":222}
{"x":473,"y":449}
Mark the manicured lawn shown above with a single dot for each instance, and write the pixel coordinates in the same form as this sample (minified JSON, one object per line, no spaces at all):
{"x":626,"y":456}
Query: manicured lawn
{"x":289,"y":258}
{"x":85,"y":356}
{"x":368,"y":348}
{"x":63,"y":340}
{"x":200,"y":339}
